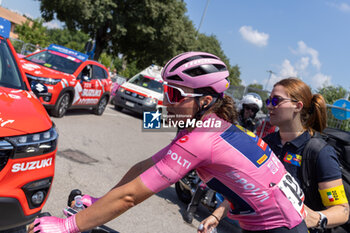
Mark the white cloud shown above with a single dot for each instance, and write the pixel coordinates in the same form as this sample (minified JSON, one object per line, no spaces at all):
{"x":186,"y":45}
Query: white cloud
{"x":321,"y":80}
{"x":52,"y":24}
{"x":287,"y":69}
{"x":303,"y":49}
{"x":340,"y":6}
{"x":303,"y":63}
{"x":253,"y":36}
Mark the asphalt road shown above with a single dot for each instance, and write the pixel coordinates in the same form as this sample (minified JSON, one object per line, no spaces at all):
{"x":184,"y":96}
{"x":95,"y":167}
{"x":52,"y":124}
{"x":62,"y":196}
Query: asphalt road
{"x":94,"y":152}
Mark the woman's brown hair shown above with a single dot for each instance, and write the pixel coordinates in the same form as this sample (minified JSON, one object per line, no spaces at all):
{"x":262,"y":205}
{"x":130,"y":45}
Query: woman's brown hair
{"x":314,"y":113}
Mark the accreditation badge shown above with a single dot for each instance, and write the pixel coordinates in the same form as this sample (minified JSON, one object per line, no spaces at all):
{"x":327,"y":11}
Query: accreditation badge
{"x":293,"y":159}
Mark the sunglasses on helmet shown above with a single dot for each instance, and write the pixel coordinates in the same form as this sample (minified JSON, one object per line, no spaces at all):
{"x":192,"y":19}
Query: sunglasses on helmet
{"x":276,"y":100}
{"x":175,"y":94}
{"x":253,"y":108}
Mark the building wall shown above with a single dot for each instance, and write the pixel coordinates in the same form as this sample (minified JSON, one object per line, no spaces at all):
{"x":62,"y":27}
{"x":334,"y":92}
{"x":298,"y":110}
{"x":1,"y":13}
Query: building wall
{"x":14,"y":18}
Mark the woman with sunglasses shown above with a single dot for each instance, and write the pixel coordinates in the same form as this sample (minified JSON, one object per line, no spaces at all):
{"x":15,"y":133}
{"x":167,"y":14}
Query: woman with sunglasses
{"x":228,"y":158}
{"x":299,"y":114}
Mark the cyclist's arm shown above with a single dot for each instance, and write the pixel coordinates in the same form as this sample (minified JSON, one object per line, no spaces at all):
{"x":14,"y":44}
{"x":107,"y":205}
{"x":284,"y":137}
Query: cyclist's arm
{"x":135,"y":171}
{"x":142,"y":166}
{"x":176,"y":164}
{"x":113,"y":204}
{"x":336,"y":214}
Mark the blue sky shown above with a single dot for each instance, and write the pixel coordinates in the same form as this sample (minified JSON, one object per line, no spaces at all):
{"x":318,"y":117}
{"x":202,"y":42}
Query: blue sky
{"x":308,"y":39}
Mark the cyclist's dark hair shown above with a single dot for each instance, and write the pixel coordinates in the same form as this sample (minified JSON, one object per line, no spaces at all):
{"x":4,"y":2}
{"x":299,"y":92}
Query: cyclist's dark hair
{"x":224,"y":107}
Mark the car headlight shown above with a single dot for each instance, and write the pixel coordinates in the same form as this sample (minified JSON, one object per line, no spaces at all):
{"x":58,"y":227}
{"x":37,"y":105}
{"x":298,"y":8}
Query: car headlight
{"x":150,"y":101}
{"x":49,"y":81}
{"x":34,"y":144}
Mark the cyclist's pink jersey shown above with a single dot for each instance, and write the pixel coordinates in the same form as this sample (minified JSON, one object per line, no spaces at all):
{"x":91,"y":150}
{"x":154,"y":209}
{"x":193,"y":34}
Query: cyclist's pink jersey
{"x":234,"y":162}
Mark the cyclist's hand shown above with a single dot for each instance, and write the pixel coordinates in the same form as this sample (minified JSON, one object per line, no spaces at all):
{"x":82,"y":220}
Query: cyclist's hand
{"x":208,"y":223}
{"x":54,"y":225}
{"x":88,"y":200}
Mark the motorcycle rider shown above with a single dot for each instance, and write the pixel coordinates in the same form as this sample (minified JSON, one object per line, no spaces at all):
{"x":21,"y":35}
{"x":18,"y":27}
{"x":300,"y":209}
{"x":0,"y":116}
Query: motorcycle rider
{"x":248,"y":107}
{"x":226,"y":156}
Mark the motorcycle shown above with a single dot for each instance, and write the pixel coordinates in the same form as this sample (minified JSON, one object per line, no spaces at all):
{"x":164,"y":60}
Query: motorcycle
{"x":192,"y":191}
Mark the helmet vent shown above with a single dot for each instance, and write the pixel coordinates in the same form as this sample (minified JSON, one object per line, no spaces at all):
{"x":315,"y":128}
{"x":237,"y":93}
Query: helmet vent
{"x":204,"y":69}
{"x":174,"y":78}
{"x":190,"y":59}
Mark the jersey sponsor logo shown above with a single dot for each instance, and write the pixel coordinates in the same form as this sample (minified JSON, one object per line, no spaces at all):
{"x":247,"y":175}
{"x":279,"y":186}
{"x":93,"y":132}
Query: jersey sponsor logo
{"x":293,"y":159}
{"x":183,"y":139}
{"x":262,"y":144}
{"x":179,"y":160}
{"x":248,"y":132}
{"x":262,"y":159}
{"x":256,"y":191}
{"x":246,"y":143}
{"x":273,"y":165}
{"x":31,"y":165}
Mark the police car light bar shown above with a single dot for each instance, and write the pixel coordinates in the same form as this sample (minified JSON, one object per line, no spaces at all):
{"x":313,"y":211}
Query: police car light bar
{"x":5,"y":27}
{"x":67,"y":51}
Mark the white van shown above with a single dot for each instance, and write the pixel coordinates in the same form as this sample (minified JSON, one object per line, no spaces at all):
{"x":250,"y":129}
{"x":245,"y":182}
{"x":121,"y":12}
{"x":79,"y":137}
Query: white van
{"x":141,"y":93}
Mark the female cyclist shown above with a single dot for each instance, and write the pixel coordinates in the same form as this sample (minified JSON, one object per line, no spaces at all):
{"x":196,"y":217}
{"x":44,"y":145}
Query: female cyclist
{"x":229,"y":159}
{"x":299,"y":114}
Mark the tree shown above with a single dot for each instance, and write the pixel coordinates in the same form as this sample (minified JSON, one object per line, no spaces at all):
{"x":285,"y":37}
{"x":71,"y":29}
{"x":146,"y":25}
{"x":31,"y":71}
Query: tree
{"x":150,"y":31}
{"x":332,"y":93}
{"x":33,"y":32}
{"x":71,"y":39}
{"x":211,"y":44}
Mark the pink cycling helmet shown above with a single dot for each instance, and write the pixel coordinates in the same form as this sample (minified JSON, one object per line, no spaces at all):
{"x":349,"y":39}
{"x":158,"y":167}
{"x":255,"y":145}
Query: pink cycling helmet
{"x":197,"y":70}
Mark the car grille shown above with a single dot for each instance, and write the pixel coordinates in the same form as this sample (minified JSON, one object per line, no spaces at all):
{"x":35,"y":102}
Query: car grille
{"x":133,"y":94}
{"x":6,"y":150}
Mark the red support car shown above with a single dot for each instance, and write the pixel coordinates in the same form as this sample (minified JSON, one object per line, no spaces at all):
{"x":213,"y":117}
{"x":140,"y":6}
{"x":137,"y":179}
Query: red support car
{"x":28,"y":141}
{"x":72,"y":80}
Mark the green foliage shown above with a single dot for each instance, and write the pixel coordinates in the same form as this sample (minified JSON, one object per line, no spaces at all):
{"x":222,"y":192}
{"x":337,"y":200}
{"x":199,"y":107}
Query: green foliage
{"x":106,"y":60}
{"x":211,"y":44}
{"x":332,"y":93}
{"x":71,"y":39}
{"x":130,"y":70}
{"x":144,"y":31}
{"x":33,"y":32}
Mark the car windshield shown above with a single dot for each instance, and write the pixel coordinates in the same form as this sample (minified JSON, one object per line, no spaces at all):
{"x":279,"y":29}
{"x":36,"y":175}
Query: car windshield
{"x":55,"y":60}
{"x":148,"y":83}
{"x":9,"y":73}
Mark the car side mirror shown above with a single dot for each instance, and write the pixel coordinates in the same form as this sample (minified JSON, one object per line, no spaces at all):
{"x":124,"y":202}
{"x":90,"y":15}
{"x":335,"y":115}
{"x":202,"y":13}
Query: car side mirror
{"x":39,"y":89}
{"x":86,"y":78}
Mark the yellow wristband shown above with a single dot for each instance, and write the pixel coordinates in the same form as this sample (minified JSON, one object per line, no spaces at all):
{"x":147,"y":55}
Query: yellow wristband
{"x":333,"y":196}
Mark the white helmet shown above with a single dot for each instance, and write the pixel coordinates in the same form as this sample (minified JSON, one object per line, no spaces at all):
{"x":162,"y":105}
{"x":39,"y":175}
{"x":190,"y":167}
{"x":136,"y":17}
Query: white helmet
{"x":251,"y":98}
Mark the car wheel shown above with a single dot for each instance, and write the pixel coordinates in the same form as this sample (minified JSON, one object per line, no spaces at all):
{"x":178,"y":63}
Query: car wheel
{"x":118,"y":108}
{"x":101,"y":106}
{"x":61,"y":106}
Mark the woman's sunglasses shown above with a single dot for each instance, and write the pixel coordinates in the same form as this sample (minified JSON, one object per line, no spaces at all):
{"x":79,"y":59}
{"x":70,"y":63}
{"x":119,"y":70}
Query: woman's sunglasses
{"x":276,"y":100}
{"x":176,"y":94}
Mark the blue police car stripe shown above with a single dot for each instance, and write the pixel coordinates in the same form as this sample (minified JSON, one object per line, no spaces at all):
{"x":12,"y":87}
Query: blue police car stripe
{"x":247,"y":145}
